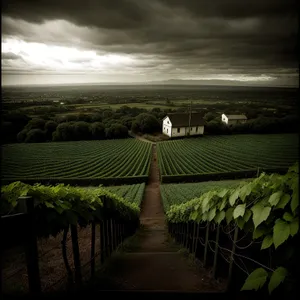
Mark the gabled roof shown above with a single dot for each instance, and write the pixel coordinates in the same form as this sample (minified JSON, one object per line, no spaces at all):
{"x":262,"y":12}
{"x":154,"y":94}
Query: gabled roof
{"x":182,"y":119}
{"x":236,"y":117}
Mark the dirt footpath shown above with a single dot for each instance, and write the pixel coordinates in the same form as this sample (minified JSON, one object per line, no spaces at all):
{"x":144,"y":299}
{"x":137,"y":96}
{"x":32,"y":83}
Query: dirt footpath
{"x":151,"y":260}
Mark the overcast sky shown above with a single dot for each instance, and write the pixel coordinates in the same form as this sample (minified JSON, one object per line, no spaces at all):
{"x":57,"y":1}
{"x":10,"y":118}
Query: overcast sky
{"x":74,"y":41}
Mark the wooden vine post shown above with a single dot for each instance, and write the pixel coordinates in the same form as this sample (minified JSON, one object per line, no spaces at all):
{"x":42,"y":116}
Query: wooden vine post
{"x":206,"y":244}
{"x":108,"y":234}
{"x":186,"y":242}
{"x":236,"y":231}
{"x":76,"y":256}
{"x":102,"y":233}
{"x":115,"y":234}
{"x":197,"y":237}
{"x":216,"y":252}
{"x":31,"y":248}
{"x":112,"y":242}
{"x":193,"y":237}
{"x":118,"y":233}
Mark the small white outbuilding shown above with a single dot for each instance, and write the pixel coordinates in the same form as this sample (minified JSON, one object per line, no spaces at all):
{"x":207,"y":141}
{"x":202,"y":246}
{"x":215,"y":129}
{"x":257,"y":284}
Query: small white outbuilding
{"x":233,"y":119}
{"x":183,"y":124}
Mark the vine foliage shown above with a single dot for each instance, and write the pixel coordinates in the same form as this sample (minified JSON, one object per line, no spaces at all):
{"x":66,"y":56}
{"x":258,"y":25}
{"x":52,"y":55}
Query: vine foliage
{"x":57,"y":207}
{"x":266,"y":206}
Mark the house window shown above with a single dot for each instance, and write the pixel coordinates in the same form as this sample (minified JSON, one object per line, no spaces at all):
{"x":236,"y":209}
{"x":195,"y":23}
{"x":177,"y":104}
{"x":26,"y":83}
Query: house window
{"x":191,"y":128}
{"x":164,"y":128}
{"x":196,"y":129}
{"x":178,"y":130}
{"x":167,"y":130}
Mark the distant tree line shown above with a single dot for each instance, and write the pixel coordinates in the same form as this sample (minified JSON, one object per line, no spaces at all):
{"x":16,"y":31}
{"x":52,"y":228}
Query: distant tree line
{"x":104,"y":124}
{"x":110,"y":124}
{"x":261,"y":124}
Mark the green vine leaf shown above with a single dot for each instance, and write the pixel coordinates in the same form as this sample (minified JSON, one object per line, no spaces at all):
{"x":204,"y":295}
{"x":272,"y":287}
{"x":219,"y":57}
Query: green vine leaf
{"x":233,"y":197}
{"x":222,"y":193}
{"x":247,"y":215}
{"x":240,"y":223}
{"x":194,"y":215}
{"x":295,"y":199}
{"x":48,"y":204}
{"x":283,"y":201}
{"x":260,"y":213}
{"x":274,"y":198}
{"x":220,"y":217}
{"x":24,"y":192}
{"x":267,"y":242}
{"x":281,"y":232}
{"x":205,"y":216}
{"x":245,"y":191}
{"x":228,"y":215}
{"x":205,"y":202}
{"x":211,"y":214}
{"x":255,"y":280}
{"x":277,"y":277}
{"x":223,"y":204}
{"x":239,"y":211}
{"x":294,"y":226}
{"x":288,"y":217}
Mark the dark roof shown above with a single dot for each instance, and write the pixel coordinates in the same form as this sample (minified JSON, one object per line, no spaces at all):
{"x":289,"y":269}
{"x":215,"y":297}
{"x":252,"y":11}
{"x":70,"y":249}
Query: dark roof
{"x":182,"y":119}
{"x":236,"y":117}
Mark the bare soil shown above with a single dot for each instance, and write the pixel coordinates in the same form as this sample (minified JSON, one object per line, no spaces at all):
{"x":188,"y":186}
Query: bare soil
{"x":52,"y":269}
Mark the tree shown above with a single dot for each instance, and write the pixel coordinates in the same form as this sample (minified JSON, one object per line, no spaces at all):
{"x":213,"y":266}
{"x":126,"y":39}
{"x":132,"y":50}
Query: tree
{"x":217,"y":127}
{"x":82,"y":131}
{"x":96,"y":118}
{"x":35,"y":136}
{"x":127,"y":121}
{"x":116,"y":131}
{"x":71,"y":118}
{"x":22,"y":136}
{"x":83,"y":117}
{"x":209,"y":116}
{"x":98,"y":131}
{"x":107,"y":114}
{"x":135,"y":127}
{"x":147,"y":123}
{"x":63,"y":132}
{"x":36,"y":123}
{"x":50,"y":127}
{"x":12,"y":123}
{"x":124,"y":110}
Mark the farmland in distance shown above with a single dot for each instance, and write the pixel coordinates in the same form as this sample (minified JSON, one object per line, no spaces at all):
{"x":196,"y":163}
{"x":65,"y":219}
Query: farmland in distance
{"x":227,"y":153}
{"x":76,"y":160}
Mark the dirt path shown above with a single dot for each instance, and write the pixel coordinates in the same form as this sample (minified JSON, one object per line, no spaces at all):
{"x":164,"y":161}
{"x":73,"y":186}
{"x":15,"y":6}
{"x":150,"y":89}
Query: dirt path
{"x":151,"y":261}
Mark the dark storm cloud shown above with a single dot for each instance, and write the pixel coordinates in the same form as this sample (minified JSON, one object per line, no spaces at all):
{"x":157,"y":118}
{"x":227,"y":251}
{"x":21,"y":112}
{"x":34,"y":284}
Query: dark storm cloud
{"x":233,"y":36}
{"x":103,"y":13}
{"x":9,"y":55}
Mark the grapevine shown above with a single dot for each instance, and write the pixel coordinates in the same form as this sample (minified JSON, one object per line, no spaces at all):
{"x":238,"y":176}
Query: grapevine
{"x":266,"y":207}
{"x":58,"y":206}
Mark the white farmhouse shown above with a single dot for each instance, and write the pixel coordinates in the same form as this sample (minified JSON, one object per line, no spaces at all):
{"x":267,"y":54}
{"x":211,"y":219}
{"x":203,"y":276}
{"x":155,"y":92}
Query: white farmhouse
{"x":183,"y":124}
{"x":233,"y":119}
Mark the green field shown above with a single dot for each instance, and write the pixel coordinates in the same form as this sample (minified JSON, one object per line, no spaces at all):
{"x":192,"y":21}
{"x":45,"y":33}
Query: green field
{"x":179,"y":193}
{"x":82,"y":159}
{"x":229,"y":153}
{"x":131,"y":192}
